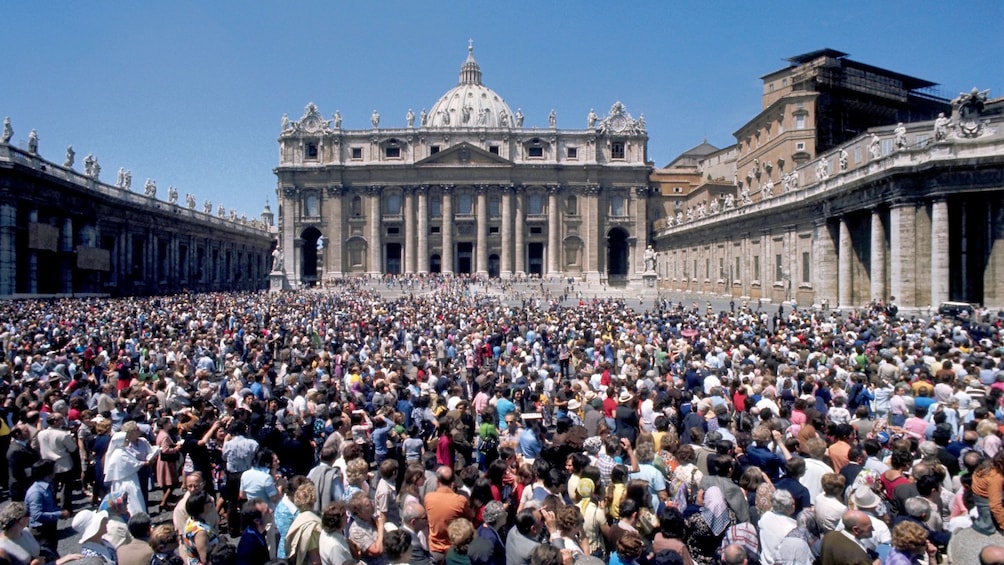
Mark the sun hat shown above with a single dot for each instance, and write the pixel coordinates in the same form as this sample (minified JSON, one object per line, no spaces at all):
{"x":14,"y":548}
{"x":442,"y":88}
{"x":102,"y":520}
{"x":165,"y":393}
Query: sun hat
{"x":574,"y":404}
{"x":88,"y":522}
{"x":625,"y":397}
{"x":864,"y":498}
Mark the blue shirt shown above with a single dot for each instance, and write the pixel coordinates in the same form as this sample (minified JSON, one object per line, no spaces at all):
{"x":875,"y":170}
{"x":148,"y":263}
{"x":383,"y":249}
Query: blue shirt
{"x":504,"y":406}
{"x":41,"y":504}
{"x":379,"y":437}
{"x":258,"y":483}
{"x":529,"y":447}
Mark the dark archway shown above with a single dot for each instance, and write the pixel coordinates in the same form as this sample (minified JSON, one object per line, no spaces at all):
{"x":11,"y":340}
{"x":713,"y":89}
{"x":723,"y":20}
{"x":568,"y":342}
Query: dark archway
{"x":435,"y":264}
{"x":394,"y":254}
{"x":308,"y":257}
{"x":493,"y":266}
{"x":617,"y":253}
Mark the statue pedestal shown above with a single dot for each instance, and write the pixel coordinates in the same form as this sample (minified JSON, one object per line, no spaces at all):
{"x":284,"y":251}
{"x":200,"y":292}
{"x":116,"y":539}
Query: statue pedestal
{"x":649,"y":288}
{"x":276,"y":282}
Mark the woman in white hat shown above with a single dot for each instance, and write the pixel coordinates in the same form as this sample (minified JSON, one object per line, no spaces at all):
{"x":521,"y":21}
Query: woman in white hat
{"x":92,"y":525}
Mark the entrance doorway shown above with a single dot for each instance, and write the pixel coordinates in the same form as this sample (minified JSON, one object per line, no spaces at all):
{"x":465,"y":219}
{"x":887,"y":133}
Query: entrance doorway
{"x":535,"y":262}
{"x":308,"y":257}
{"x":435,"y":264}
{"x":465,"y":257}
{"x":617,"y":252}
{"x":493,"y":266}
{"x":393,"y":259}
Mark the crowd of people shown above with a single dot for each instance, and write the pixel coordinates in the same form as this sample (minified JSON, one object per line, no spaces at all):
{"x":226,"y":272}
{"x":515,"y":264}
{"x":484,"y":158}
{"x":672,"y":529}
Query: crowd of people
{"x":452,"y":425}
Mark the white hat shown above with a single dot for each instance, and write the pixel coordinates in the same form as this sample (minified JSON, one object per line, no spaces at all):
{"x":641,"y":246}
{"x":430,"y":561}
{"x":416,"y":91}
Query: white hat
{"x":88,"y":522}
{"x":574,"y":404}
{"x":864,"y":497}
{"x":625,"y":397}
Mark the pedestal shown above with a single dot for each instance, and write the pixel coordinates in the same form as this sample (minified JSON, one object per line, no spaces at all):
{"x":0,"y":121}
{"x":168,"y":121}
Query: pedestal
{"x":649,"y":284}
{"x":276,"y":282}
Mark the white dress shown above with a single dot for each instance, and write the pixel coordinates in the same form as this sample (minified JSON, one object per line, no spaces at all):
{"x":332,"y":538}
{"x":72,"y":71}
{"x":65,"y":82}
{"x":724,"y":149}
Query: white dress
{"x":122,"y":473}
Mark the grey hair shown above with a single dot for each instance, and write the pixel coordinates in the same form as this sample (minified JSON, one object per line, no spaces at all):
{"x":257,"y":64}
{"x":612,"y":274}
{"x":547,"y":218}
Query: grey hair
{"x":917,"y":507}
{"x":782,"y":502}
{"x":411,"y":511}
{"x":10,"y":513}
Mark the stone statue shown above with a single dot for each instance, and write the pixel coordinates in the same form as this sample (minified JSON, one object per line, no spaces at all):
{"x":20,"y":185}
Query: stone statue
{"x":483,"y":116}
{"x":8,"y":131}
{"x":650,"y":261}
{"x":446,"y":117}
{"x":277,"y":260}
{"x":730,"y":201}
{"x":592,"y":119}
{"x":410,"y":118}
{"x":337,"y":116}
{"x":424,"y":117}
{"x":701,"y":210}
{"x":320,"y":243}
{"x":71,"y":155}
{"x":190,"y":201}
{"x":150,"y":188}
{"x":120,"y":177}
{"x":844,"y":159}
{"x":96,"y":169}
{"x":519,"y":117}
{"x":794,"y":179}
{"x":88,"y":165}
{"x":207,"y":206}
{"x":823,"y":169}
{"x":465,"y":114}
{"x":786,"y":183}
{"x":128,"y":175}
{"x":33,"y":142}
{"x":769,"y":187}
{"x":552,"y":119}
{"x":714,"y":206}
{"x":233,"y":215}
{"x":941,"y":125}
{"x":900,"y":136}
{"x":641,"y":122}
{"x":690,"y":214}
{"x":969,"y":105}
{"x":875,"y":147}
{"x":745,"y":195}
{"x":221,"y":211}
{"x":375,"y":119}
{"x":172,"y":195}
{"x":503,"y":119}
{"x":679,"y":217}
{"x":285,"y":123}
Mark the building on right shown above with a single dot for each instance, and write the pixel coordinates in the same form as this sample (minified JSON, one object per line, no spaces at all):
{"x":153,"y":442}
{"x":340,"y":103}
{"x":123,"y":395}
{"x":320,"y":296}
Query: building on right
{"x":853,"y":184}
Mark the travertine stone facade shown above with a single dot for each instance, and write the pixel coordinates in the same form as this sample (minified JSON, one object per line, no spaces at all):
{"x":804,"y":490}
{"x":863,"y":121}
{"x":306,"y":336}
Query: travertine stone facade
{"x":464,"y":188}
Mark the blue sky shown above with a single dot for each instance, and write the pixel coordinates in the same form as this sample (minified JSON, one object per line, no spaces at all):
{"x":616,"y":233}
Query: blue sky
{"x":191,"y":93}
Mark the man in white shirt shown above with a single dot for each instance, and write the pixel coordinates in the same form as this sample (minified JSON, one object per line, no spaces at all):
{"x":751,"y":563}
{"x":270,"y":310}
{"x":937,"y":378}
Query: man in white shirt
{"x":57,"y":444}
{"x":775,"y":525}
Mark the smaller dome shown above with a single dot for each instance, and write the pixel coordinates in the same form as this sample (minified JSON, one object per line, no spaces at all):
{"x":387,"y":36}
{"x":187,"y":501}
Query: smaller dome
{"x":470,"y":103}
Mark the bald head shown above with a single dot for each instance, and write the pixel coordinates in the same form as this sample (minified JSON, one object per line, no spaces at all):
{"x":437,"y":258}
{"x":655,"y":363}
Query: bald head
{"x":858,"y":523}
{"x":992,"y":555}
{"x":444,"y":475}
{"x":734,"y":554}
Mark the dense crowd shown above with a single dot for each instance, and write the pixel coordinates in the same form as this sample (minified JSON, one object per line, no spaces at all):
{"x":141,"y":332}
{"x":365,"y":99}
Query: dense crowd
{"x":451,"y":425}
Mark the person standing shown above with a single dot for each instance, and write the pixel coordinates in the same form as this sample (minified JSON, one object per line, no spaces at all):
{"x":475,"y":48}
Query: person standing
{"x":442,"y":506}
{"x":57,"y":444}
{"x":252,"y":549}
{"x":20,"y":459}
{"x":844,"y":547}
{"x":238,"y":455}
{"x":41,"y":503}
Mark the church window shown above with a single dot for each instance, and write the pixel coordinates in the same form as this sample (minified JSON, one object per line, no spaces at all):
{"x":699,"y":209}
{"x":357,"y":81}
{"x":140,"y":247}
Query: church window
{"x":572,"y":206}
{"x":311,"y":206}
{"x":357,"y":152}
{"x":357,"y":206}
{"x":393,"y":152}
{"x":799,"y":122}
{"x":435,"y":207}
{"x":392,"y":205}
{"x":617,"y":150}
{"x":434,"y":149}
{"x":536,"y":230}
{"x":493,"y":208}
{"x":494,"y":149}
{"x":465,"y":204}
{"x":493,"y":230}
{"x":535,"y":151}
{"x":433,"y":229}
{"x":535,"y":205}
{"x":618,"y":206}
{"x":393,"y":230}
{"x":573,"y":152}
{"x":311,"y":151}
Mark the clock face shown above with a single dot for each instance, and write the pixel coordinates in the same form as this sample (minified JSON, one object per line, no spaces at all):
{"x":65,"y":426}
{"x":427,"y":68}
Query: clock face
{"x":618,"y":123}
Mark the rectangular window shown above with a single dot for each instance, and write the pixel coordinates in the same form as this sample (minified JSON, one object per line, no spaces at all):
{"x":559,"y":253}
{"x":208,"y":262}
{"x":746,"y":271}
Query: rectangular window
{"x":393,"y":152}
{"x":778,"y":269}
{"x":535,"y":205}
{"x":465,"y":204}
{"x":393,"y":230}
{"x":357,"y":152}
{"x":799,"y":122}
{"x":806,"y":273}
{"x":493,"y":208}
{"x":435,"y":207}
{"x":756,"y":267}
{"x":433,"y":229}
{"x":617,"y":206}
{"x":800,"y":146}
{"x":493,"y":230}
{"x":312,"y":151}
{"x":535,"y":151}
{"x":617,"y":150}
{"x":434,"y":149}
{"x":573,"y":152}
{"x":695,"y":268}
{"x":737,"y":275}
{"x":536,"y":230}
{"x":494,"y":149}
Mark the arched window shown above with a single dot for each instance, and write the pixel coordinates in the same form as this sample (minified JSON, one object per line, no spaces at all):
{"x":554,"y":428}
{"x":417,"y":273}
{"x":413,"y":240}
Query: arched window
{"x":312,"y":206}
{"x":357,"y":206}
{"x":392,"y":204}
{"x":572,"y":206}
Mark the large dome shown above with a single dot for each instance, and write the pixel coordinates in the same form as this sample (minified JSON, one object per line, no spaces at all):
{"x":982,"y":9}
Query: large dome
{"x":470,"y":103}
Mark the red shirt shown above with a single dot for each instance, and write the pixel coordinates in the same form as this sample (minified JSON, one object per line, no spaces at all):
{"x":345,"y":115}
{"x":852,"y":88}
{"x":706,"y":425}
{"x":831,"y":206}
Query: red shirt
{"x":609,"y":407}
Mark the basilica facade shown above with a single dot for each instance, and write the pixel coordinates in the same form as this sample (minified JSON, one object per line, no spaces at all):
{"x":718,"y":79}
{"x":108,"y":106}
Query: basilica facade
{"x":463,"y":188}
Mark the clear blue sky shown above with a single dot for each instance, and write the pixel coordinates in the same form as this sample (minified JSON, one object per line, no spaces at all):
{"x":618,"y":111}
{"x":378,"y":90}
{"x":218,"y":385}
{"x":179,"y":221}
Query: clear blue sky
{"x":191,"y":93}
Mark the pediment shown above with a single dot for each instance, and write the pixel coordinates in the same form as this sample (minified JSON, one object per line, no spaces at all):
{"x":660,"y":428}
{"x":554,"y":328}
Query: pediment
{"x":464,"y":154}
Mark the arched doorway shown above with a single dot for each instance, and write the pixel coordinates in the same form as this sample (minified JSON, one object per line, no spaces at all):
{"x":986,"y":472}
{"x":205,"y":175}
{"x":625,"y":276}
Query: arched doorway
{"x":617,"y":253}
{"x":308,"y":257}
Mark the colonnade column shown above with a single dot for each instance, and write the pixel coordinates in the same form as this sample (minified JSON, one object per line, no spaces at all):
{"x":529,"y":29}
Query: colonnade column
{"x":939,"y":252}
{"x":993,"y":275}
{"x":447,"y":230}
{"x":8,"y":249}
{"x":505,"y":269}
{"x":592,"y":225}
{"x":844,"y":265}
{"x":409,"y":231}
{"x":375,"y":264}
{"x":520,"y":231}
{"x":824,"y":254}
{"x":33,"y":259}
{"x":903,"y":253}
{"x":422,"y":257}
{"x":66,"y":259}
{"x":553,"y":231}
{"x":482,"y":219}
{"x":877,"y":257}
{"x":336,"y":239}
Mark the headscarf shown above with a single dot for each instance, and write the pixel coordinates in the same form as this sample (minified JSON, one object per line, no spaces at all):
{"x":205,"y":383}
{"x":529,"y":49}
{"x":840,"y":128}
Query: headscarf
{"x":715,"y":512}
{"x":585,"y":491}
{"x":115,"y":503}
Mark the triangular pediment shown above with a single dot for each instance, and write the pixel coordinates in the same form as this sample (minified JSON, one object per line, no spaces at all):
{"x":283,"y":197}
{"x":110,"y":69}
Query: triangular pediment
{"x":464,"y":154}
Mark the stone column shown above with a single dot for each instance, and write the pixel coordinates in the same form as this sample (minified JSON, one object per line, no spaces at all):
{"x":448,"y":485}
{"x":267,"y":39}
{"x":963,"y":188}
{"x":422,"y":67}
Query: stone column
{"x":592,"y":228}
{"x":66,"y":256}
{"x":482,"y":219}
{"x":824,"y":256}
{"x":903,"y":254}
{"x":878,"y":257}
{"x":993,"y":275}
{"x":640,"y":208}
{"x":447,"y":230}
{"x":553,"y":231}
{"x":333,"y":260}
{"x":410,"y":257}
{"x":505,"y":269}
{"x":33,"y":259}
{"x":520,"y":231}
{"x":939,"y":252}
{"x":375,"y":245}
{"x":844,"y":256}
{"x":8,"y":249}
{"x":422,"y":257}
